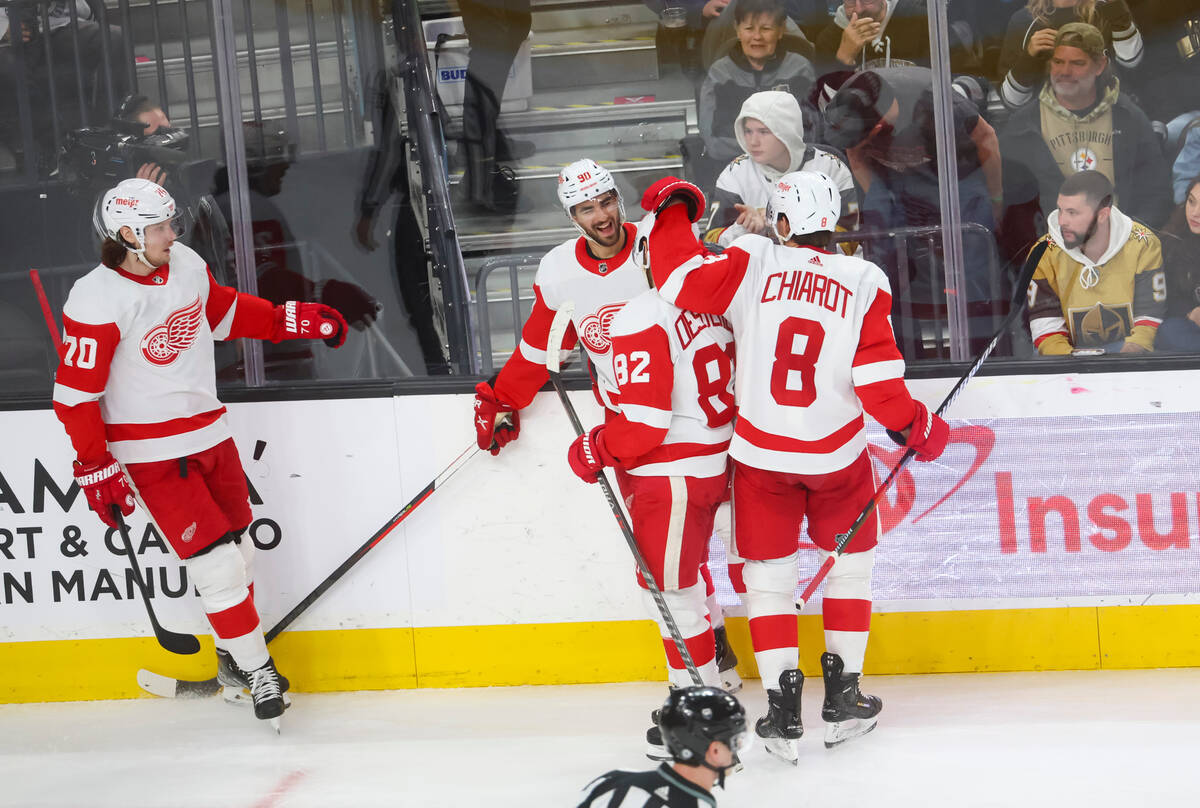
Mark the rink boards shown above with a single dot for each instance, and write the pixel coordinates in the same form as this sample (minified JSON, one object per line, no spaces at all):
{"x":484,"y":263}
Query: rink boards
{"x":1061,"y":529}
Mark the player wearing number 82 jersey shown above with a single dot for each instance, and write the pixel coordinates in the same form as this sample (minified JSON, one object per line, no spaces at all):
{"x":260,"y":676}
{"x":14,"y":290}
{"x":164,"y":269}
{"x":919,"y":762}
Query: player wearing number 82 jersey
{"x":814,"y":348}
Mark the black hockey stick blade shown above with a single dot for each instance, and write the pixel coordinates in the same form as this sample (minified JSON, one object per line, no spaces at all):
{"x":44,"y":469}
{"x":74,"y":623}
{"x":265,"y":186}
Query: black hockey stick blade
{"x":170,"y":687}
{"x":173,"y":641}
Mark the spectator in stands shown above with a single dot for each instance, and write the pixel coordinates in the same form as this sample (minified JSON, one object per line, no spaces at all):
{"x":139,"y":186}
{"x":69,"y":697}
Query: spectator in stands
{"x":758,"y":62}
{"x":884,"y":33}
{"x":805,"y":19}
{"x":1099,"y":287}
{"x":1187,"y":161}
{"x":883,"y":120}
{"x":1083,"y":121}
{"x":1180,"y":329}
{"x":769,"y":131}
{"x":1032,"y":39}
{"x":495,"y":30}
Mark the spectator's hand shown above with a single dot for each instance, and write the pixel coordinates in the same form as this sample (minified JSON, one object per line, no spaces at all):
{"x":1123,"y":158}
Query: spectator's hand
{"x":153,"y":172}
{"x":860,"y":32}
{"x":1132,"y":347}
{"x":751,"y":218}
{"x":713,"y":8}
{"x":1041,"y":44}
{"x":363,"y":233}
{"x":1116,"y":13}
{"x":1194,"y":315}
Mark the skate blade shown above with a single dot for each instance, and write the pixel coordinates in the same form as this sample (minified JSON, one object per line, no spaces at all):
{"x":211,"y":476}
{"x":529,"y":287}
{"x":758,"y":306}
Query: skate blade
{"x":785,"y":749}
{"x":841,"y":731}
{"x":731,"y":681}
{"x":276,"y":724}
{"x":238,"y":695}
{"x":658,"y":753}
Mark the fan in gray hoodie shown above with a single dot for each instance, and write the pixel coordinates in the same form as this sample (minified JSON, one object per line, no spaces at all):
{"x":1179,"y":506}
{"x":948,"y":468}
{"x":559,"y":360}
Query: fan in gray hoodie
{"x":770,"y":131}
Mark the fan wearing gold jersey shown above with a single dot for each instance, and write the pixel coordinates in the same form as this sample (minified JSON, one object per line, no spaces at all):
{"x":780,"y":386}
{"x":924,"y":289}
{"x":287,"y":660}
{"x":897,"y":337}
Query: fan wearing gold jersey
{"x":1100,"y":285}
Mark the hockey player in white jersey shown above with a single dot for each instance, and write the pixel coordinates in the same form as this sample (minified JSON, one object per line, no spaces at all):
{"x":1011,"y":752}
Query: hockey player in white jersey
{"x":136,"y":392}
{"x":704,"y":728}
{"x":668,"y":446}
{"x":595,"y":272}
{"x":814,"y":349}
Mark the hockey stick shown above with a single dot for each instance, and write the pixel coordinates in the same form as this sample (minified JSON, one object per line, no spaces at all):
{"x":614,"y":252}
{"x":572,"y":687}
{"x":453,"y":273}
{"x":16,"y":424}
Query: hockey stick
{"x":169,"y":687}
{"x":173,"y":641}
{"x":1019,"y":301}
{"x":558,"y":328}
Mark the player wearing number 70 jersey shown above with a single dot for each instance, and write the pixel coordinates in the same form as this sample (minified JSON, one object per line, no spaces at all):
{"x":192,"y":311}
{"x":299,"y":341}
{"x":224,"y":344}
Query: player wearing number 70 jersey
{"x":814,"y":348}
{"x":668,"y":445}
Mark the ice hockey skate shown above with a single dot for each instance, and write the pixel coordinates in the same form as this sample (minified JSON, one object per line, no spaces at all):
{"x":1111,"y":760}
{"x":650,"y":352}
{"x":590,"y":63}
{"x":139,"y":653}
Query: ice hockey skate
{"x":781,"y":728}
{"x":655,"y":748}
{"x":726,"y":662}
{"x":847,"y":712}
{"x":266,"y":691}
{"x":234,"y":687}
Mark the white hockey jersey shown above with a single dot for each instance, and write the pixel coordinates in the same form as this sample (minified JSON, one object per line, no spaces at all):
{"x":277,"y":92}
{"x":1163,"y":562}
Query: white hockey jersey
{"x":142,"y":348}
{"x":814,"y":343}
{"x":598,"y":289}
{"x":674,"y":369}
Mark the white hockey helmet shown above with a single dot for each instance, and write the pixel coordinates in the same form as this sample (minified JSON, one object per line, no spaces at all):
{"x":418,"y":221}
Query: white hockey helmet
{"x":583,"y":180}
{"x":136,"y":204}
{"x":810,"y":200}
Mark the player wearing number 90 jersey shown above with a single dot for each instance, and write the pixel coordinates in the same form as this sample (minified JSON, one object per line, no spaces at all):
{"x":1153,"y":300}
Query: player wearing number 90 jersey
{"x":814,"y":347}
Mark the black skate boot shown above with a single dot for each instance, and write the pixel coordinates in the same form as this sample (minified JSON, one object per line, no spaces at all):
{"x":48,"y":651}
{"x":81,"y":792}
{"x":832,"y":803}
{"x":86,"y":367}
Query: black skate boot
{"x":726,"y":661}
{"x":847,"y":712}
{"x":781,"y":727}
{"x":266,"y":691}
{"x":234,"y":687}
{"x":655,"y":748}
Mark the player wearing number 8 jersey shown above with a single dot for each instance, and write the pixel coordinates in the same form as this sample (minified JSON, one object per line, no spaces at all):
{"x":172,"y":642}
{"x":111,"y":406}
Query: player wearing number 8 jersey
{"x":814,"y":348}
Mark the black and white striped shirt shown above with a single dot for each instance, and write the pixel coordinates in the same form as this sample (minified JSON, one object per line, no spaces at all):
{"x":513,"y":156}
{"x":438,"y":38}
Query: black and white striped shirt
{"x":657,"y":788}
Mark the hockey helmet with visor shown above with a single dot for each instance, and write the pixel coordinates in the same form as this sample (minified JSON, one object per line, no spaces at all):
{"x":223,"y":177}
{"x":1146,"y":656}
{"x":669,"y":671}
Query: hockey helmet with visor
{"x":137,"y":204}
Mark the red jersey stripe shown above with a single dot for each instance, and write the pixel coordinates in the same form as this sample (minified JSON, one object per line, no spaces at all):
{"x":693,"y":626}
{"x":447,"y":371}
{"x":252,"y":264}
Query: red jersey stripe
{"x":162,"y":429}
{"x":778,"y":443}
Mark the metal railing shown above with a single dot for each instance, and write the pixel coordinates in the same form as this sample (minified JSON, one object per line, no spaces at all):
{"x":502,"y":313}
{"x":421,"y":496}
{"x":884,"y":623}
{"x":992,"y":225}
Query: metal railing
{"x":917,"y":278}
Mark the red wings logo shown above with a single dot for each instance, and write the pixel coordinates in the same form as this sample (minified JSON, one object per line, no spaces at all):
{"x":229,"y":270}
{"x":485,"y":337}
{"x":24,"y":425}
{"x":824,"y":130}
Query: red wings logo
{"x":593,"y":331}
{"x":164,"y":342}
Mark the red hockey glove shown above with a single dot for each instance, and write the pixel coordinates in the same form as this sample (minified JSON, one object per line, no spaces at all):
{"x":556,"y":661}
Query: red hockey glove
{"x":496,"y":424}
{"x":104,"y":485}
{"x":295,"y":320}
{"x":588,"y":455}
{"x":927,"y":434}
{"x":659,"y":194}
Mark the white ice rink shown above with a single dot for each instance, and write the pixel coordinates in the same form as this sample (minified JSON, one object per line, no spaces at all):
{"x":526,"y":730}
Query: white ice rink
{"x":1016,"y":740}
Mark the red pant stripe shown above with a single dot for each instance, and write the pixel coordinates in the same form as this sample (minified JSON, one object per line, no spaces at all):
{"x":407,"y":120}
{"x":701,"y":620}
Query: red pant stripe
{"x":735,"y":577}
{"x":236,"y":621}
{"x":773,"y":631}
{"x":701,"y":647}
{"x":707,"y":576}
{"x":846,"y":615}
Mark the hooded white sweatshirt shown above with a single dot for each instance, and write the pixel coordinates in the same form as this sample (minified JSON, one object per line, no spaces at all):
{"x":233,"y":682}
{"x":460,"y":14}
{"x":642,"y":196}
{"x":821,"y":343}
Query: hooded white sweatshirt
{"x":746,"y":182}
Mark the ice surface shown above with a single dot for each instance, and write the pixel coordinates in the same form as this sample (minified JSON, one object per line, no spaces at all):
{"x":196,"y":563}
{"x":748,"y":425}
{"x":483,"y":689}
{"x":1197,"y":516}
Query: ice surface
{"x":1111,"y":738}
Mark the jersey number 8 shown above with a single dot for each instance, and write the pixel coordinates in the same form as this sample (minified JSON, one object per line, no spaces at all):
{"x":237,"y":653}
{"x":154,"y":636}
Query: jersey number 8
{"x":804,"y":362}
